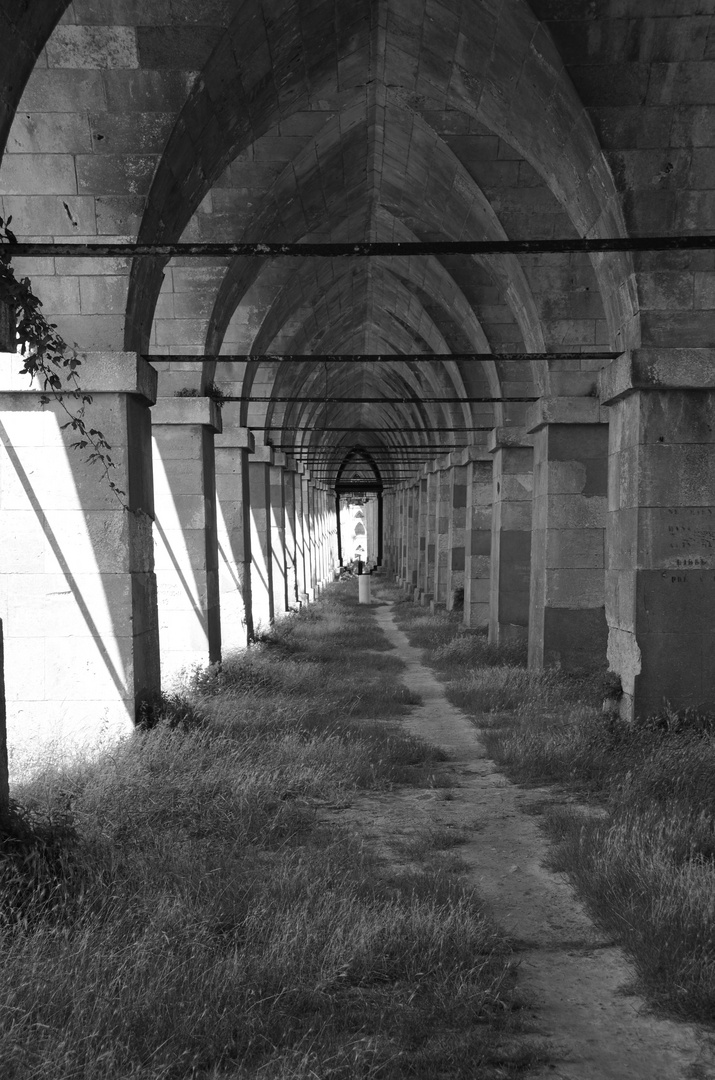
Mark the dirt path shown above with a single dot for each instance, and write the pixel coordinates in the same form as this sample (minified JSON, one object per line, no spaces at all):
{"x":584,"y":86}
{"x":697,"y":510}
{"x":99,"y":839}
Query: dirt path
{"x":574,"y":975}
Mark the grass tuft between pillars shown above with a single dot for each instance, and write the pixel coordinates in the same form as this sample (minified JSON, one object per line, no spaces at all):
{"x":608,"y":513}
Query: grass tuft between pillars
{"x":188,"y":905}
{"x":632,"y":807}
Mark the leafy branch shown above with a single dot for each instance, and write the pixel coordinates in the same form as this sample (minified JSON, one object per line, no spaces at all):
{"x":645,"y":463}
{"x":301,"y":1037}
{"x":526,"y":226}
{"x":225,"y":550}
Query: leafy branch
{"x":48,"y":358}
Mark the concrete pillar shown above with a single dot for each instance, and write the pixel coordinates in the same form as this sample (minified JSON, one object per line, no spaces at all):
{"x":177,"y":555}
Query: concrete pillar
{"x":278,"y":536}
{"x":421,"y":538}
{"x":289,"y":503}
{"x":478,"y":536}
{"x":511,"y":535}
{"x":413,"y":538}
{"x":660,"y":570}
{"x":442,"y":514}
{"x":77,"y":585}
{"x":401,"y":535}
{"x":457,"y":532}
{"x":232,"y":449}
{"x":186,"y":540}
{"x":430,"y":534}
{"x":567,"y":619}
{"x":259,"y":472}
{"x":4,"y":774}
{"x":300,"y":538}
{"x":308,"y":540}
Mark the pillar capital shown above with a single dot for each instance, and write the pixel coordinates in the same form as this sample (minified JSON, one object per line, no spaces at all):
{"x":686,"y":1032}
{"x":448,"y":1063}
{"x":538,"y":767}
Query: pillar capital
{"x":657,"y":369}
{"x":507,"y":438}
{"x":236,"y":439}
{"x":473,"y":453}
{"x":563,"y":410}
{"x":263,"y":454}
{"x":99,"y":373}
{"x":201,"y":411}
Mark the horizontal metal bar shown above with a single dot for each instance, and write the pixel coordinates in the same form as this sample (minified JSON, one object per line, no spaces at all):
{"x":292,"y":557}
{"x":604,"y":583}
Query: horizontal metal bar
{"x":693,"y":242}
{"x":368,"y":431}
{"x":374,"y":400}
{"x":365,"y":358}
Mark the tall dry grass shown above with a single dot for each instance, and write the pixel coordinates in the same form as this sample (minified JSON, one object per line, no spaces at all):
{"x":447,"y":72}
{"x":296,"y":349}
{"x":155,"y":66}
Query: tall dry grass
{"x":186,"y":907}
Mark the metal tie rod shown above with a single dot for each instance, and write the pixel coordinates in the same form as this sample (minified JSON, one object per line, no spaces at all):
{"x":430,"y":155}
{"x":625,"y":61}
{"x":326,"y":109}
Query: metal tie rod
{"x":374,"y":401}
{"x":366,"y":358}
{"x":367,"y":431}
{"x":591,"y":245}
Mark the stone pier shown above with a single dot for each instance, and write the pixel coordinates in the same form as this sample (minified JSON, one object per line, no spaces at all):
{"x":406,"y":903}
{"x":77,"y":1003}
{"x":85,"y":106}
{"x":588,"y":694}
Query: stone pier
{"x":478,"y":536}
{"x":77,"y":585}
{"x":185,"y":533}
{"x":259,"y":471}
{"x":232,"y":450}
{"x":660,"y":571}
{"x":511,"y":535}
{"x":567,"y":620}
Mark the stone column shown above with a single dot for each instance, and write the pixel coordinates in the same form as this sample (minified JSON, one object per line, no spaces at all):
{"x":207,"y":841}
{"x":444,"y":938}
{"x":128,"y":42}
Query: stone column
{"x":567,"y":619}
{"x":186,"y":533}
{"x":232,"y":449}
{"x":77,"y":585}
{"x":660,"y":568}
{"x":278,"y":536}
{"x":478,"y":535}
{"x":259,"y":472}
{"x":457,"y":532}
{"x":4,"y":773}
{"x":300,"y":537}
{"x":442,"y":495}
{"x":413,"y":539}
{"x":401,"y":535}
{"x":308,"y":541}
{"x":289,"y":503}
{"x":511,"y":535}
{"x":421,"y":537}
{"x":430,"y":536}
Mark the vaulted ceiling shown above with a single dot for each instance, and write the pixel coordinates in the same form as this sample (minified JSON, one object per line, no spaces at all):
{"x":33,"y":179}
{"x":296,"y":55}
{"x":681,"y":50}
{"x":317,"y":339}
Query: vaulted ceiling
{"x":350,"y":120}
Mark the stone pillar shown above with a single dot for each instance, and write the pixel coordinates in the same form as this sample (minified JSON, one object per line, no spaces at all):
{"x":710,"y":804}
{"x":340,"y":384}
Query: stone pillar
{"x":413,"y":538}
{"x":511,"y":535}
{"x":660,"y":568}
{"x":289,"y":503}
{"x":278,"y":536}
{"x":442,"y":495}
{"x":401,"y":535}
{"x":4,"y":774}
{"x":422,"y":517}
{"x":300,"y":537}
{"x":430,"y":527}
{"x":457,"y":532}
{"x":308,"y":538}
{"x":478,"y":536}
{"x":186,"y":533}
{"x":259,"y":470}
{"x":232,"y":449}
{"x":567,"y":619}
{"x":77,"y":585}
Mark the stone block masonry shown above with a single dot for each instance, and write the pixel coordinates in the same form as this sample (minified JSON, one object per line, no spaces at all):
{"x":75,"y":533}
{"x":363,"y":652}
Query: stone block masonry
{"x":77,"y":576}
{"x":511,"y":535}
{"x":660,"y":569}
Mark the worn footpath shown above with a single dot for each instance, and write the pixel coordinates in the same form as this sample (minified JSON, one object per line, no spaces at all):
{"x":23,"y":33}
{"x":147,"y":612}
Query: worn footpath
{"x":575,"y":979}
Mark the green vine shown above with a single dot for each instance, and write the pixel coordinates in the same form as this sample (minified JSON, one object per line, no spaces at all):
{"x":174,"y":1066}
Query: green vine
{"x":47,"y":357}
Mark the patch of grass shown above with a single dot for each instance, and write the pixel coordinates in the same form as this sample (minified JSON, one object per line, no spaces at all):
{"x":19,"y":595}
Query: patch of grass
{"x":643,"y":855}
{"x":178,"y":908}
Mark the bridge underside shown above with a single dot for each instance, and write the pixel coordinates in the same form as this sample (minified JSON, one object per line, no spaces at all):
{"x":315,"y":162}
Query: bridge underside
{"x":529,"y":436}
